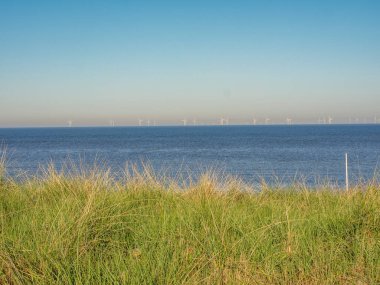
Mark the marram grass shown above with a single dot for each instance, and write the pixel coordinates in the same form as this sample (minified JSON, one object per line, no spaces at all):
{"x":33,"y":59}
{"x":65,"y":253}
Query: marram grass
{"x":89,"y":229}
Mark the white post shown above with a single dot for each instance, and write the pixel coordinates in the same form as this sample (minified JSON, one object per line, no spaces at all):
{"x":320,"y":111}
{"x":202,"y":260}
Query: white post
{"x":346,"y":171}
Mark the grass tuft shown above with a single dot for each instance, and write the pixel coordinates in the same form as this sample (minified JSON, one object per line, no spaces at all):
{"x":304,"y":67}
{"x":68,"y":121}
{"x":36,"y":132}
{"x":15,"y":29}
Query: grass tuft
{"x":85,"y":227}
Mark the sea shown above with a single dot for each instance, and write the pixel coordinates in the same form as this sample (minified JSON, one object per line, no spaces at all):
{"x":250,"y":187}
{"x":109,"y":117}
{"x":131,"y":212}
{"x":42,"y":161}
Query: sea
{"x":281,"y":154}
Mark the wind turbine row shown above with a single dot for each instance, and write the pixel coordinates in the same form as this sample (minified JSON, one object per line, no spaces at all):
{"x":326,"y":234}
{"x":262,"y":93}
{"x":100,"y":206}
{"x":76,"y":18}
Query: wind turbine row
{"x":325,"y":120}
{"x":225,"y":121}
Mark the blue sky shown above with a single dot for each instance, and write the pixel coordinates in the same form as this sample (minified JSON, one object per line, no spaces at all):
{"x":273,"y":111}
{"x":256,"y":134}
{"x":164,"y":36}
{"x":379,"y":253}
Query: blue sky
{"x":93,"y":61}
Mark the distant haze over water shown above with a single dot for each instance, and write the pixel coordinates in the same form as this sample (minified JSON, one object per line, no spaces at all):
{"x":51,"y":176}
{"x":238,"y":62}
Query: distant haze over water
{"x":152,"y":121}
{"x":283,"y":153}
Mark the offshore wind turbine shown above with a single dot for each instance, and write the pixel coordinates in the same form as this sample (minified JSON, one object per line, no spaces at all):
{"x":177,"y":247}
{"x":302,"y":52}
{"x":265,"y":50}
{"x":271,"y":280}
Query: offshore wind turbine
{"x":140,"y":122}
{"x":330,"y":120}
{"x":70,"y":123}
{"x":254,"y":122}
{"x":184,"y":121}
{"x":267,"y":121}
{"x":194,"y":122}
{"x":112,"y":123}
{"x":224,"y":121}
{"x":288,"y":121}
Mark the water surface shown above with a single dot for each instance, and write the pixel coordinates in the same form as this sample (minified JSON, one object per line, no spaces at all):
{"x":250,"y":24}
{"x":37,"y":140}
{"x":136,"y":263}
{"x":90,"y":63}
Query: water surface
{"x":313,"y":152}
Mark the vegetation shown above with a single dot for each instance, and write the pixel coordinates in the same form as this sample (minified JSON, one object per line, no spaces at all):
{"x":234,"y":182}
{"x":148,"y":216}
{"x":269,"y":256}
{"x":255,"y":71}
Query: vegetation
{"x":87,"y":228}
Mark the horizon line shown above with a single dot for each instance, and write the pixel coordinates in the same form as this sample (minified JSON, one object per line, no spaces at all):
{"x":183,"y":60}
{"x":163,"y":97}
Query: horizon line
{"x":187,"y":126}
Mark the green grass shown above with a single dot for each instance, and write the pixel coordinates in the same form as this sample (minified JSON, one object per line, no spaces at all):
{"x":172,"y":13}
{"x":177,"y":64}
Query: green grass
{"x":89,"y":229}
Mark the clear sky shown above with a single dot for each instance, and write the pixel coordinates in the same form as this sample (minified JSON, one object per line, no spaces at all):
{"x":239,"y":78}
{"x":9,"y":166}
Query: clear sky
{"x":93,"y":61}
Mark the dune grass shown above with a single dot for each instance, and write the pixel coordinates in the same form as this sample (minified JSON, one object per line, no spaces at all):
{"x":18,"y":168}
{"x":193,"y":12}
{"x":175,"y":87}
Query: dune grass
{"x":88,"y":228}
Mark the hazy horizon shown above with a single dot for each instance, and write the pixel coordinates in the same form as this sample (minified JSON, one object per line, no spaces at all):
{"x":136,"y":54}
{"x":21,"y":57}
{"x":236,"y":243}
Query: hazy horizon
{"x":91,"y":62}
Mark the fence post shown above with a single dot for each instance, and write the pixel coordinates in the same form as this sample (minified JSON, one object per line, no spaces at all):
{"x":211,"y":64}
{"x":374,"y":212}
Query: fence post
{"x":346,"y":171}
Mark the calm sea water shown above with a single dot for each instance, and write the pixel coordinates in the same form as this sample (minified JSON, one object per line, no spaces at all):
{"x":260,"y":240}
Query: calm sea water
{"x":283,"y":153}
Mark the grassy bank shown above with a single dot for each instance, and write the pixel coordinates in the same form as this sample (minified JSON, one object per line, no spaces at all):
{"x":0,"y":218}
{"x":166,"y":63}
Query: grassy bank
{"x":89,"y":229}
